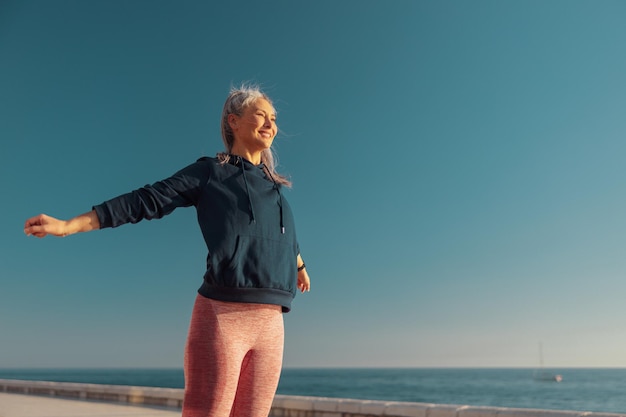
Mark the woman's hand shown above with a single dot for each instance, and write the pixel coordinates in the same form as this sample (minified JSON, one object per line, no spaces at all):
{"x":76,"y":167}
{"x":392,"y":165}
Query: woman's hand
{"x":304,"y":283}
{"x":44,"y":225}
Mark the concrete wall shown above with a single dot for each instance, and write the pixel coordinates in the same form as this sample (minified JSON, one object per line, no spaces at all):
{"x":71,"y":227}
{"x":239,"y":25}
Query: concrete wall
{"x":166,"y":397}
{"x":284,"y":405}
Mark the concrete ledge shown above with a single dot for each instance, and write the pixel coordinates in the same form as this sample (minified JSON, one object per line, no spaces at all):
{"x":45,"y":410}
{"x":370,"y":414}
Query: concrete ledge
{"x":284,"y":405}
{"x":295,"y":406}
{"x":165,"y":397}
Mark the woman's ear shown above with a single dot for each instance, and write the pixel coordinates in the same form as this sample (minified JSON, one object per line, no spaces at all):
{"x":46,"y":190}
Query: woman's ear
{"x":232,"y":120}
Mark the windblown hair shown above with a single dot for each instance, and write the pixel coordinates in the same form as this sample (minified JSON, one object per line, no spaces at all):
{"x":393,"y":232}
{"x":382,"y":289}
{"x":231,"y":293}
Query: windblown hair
{"x":238,"y":99}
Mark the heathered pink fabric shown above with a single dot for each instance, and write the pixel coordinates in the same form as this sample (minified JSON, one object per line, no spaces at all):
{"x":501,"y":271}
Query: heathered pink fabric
{"x":233,"y":359}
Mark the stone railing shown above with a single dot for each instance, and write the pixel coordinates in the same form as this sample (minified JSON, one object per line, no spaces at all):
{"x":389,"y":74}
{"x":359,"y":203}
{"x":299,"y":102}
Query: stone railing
{"x":284,"y":405}
{"x":165,"y":397}
{"x":291,"y":406}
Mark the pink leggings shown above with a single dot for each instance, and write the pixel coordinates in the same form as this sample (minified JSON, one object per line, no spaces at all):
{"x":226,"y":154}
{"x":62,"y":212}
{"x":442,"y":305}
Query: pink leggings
{"x":233,"y":359}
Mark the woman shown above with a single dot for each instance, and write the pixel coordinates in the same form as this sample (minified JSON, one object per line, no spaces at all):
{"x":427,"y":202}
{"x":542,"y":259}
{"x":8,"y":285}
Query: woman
{"x":233,"y":354}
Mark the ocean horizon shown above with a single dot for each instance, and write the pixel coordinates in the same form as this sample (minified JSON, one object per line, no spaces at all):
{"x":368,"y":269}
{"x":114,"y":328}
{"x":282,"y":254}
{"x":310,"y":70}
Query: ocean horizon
{"x":582,"y":389}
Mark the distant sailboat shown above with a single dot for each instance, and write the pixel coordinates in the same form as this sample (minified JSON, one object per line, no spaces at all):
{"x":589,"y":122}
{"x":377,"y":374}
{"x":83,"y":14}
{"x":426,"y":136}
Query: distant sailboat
{"x":543,"y":375}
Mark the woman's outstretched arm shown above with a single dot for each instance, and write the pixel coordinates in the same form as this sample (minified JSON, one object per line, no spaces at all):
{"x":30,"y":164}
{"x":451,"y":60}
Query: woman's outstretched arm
{"x":43,"y":225}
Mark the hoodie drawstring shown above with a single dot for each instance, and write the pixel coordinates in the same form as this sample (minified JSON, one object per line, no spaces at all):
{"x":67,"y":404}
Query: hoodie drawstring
{"x":276,"y":187}
{"x":245,"y":180}
{"x":280,"y":200}
{"x":280,"y":204}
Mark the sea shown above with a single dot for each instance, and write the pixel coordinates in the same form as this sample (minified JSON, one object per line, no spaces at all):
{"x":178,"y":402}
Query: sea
{"x":599,"y":390}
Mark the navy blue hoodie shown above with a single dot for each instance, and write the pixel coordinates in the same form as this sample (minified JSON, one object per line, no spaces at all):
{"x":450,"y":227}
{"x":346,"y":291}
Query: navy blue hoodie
{"x":246,"y":222}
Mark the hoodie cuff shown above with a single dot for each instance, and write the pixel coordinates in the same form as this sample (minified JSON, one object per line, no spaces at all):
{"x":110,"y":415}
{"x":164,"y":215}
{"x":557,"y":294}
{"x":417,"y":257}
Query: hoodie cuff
{"x":104,"y":216}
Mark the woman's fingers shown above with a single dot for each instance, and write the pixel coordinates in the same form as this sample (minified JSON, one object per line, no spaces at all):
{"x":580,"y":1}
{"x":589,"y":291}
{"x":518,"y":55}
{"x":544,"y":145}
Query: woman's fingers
{"x":41,"y":225}
{"x":33,"y":226}
{"x":304,"y":283}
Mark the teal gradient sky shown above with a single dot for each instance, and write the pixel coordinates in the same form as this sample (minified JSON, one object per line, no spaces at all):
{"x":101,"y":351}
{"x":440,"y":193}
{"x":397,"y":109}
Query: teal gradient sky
{"x":459,"y":175}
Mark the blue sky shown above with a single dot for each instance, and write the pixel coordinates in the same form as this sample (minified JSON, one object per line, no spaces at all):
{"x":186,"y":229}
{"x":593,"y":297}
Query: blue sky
{"x":458,"y":175}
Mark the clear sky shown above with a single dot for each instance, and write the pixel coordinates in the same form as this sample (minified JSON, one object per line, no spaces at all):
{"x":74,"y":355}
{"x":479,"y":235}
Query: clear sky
{"x":459,"y":175}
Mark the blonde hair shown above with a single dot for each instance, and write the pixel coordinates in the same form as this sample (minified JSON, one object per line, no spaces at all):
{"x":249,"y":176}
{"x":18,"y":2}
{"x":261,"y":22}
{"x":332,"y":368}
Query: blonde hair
{"x":238,"y":99}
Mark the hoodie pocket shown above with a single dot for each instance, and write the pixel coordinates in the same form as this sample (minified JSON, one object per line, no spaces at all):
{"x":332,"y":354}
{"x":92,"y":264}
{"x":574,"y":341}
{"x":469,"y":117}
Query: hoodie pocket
{"x":260,"y":262}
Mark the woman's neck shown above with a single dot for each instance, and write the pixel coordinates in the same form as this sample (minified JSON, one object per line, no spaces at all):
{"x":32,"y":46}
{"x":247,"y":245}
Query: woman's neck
{"x":254,"y":157}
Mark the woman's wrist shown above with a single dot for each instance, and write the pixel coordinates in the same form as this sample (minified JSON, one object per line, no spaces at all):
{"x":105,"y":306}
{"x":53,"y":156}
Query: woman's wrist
{"x":84,"y":223}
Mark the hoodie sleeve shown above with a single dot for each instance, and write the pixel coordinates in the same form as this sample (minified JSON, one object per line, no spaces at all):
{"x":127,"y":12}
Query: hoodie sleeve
{"x":157,"y":200}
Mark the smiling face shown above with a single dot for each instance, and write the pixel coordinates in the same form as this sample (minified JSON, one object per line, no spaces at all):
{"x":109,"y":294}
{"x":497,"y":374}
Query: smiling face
{"x":254,"y":130}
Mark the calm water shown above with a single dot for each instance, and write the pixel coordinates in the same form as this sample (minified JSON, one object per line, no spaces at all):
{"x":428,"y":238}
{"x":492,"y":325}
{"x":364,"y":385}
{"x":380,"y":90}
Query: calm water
{"x":581,"y":389}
